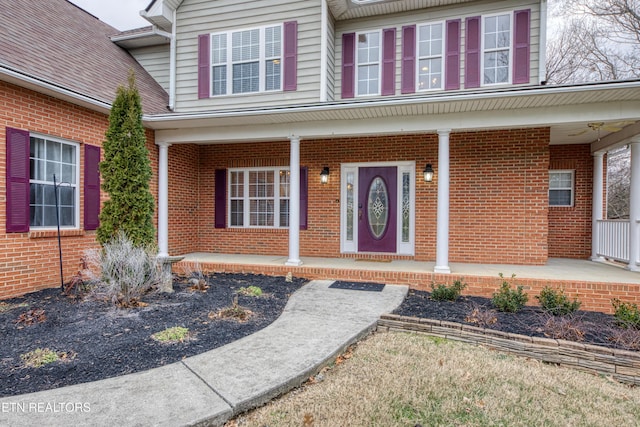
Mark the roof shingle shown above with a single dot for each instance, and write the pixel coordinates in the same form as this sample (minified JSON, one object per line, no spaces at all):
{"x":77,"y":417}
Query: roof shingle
{"x":60,"y":43}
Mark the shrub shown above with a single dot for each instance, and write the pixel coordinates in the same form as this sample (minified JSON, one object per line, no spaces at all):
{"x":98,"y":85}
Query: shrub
{"x":555,"y":302}
{"x":507,"y":299}
{"x":447,"y":293}
{"x":234,"y":311}
{"x":252,"y":291}
{"x":122,"y":271}
{"x":39,"y":357}
{"x":564,"y":328}
{"x":626,"y":313}
{"x":481,"y":316}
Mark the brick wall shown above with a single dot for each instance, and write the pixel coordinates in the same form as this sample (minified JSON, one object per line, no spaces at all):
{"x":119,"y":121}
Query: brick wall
{"x":498,"y":189}
{"x":570,"y":227}
{"x":29,"y":261}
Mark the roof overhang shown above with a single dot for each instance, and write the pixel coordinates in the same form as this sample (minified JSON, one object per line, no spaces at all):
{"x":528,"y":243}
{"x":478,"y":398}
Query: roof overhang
{"x":563,"y":108}
{"x":142,"y":37}
{"x":351,"y":9}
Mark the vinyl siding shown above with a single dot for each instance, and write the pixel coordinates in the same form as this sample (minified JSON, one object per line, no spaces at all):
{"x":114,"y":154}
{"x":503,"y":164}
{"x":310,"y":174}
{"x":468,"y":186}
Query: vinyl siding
{"x":440,"y":14}
{"x":155,"y":60}
{"x":331,"y":63}
{"x":197,"y":17}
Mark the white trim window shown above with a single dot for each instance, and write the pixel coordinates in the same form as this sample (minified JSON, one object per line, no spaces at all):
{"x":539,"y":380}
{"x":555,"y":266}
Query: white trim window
{"x":49,"y":157}
{"x":561,"y":187}
{"x":430,"y":47}
{"x":368,"y":59}
{"x":259,"y":197}
{"x":246,"y":61}
{"x":496,"y":49}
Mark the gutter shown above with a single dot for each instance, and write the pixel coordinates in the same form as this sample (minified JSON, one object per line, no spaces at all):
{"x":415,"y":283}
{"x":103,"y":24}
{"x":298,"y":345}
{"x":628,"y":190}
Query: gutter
{"x":400,"y":101}
{"x":32,"y":82}
{"x":542,"y":58}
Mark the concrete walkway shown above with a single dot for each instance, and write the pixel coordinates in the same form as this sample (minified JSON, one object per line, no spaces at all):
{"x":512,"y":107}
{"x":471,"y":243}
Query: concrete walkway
{"x":317,"y":324}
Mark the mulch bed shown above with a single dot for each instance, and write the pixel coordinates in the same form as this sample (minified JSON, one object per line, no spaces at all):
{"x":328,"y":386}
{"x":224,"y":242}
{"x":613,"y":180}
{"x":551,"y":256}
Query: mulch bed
{"x":597,"y":328}
{"x":100,"y":341}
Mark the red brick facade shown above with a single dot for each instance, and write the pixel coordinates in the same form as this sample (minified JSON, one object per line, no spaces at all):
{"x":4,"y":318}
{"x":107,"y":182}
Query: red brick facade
{"x":29,"y":261}
{"x":498,"y":194}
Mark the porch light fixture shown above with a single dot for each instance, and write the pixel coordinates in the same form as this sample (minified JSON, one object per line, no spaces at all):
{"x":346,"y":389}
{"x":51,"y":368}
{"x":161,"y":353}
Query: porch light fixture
{"x":324,"y":175}
{"x":428,"y":173}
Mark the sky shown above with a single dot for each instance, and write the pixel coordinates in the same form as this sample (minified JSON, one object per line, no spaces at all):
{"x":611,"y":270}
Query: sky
{"x":121,"y":14}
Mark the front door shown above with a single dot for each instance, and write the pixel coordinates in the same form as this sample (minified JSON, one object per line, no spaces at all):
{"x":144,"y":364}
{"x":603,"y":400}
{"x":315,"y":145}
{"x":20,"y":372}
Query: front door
{"x":377,"y":210}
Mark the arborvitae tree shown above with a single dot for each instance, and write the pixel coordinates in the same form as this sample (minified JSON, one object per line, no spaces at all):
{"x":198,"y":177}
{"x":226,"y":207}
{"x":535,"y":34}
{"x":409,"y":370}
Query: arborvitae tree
{"x":126,"y":172}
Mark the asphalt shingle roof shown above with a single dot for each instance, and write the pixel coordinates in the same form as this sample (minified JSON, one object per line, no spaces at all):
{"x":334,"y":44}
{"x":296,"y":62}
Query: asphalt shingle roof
{"x":59,"y":43}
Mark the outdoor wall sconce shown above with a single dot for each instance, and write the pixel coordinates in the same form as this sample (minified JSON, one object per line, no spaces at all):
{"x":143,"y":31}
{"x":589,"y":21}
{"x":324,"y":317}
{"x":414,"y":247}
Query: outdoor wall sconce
{"x":428,"y":173}
{"x":324,"y":175}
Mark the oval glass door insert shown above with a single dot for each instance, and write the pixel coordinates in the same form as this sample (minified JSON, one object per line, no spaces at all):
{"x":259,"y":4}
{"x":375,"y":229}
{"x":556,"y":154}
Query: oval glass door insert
{"x":378,"y":207}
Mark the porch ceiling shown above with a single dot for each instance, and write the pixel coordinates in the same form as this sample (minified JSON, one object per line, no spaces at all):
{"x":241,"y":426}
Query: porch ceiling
{"x":576,"y":114}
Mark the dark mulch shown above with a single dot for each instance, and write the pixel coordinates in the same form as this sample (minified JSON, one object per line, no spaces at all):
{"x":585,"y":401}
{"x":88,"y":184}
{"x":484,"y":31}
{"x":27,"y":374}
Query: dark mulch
{"x":598,"y":328}
{"x":102,"y":341}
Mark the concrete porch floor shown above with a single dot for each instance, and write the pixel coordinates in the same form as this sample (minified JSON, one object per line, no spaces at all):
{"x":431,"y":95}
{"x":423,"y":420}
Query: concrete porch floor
{"x":556,"y":268}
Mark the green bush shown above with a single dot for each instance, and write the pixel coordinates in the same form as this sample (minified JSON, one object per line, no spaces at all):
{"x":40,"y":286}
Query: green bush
{"x":555,"y":302}
{"x":447,"y":293}
{"x":626,"y":313}
{"x":251,"y":291}
{"x":507,"y":299}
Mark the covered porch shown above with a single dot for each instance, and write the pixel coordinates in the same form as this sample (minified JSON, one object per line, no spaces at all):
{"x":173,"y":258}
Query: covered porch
{"x":593,"y":283}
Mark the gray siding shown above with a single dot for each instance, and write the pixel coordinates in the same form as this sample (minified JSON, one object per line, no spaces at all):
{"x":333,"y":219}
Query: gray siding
{"x":155,"y":60}
{"x":331,"y":63}
{"x":197,"y":17}
{"x":436,"y":15}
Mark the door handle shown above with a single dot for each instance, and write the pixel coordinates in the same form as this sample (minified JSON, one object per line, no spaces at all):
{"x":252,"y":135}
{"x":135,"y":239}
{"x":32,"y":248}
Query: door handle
{"x":360,"y":211}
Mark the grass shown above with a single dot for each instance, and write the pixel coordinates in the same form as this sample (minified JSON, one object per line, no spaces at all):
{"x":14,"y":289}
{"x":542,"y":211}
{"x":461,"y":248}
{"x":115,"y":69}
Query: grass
{"x":172,"y":335}
{"x":251,"y":291}
{"x":402,"y":379}
{"x":43,"y":356}
{"x":5,"y":306}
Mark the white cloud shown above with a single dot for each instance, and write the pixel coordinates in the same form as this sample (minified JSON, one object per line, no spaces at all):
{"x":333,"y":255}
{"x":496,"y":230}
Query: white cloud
{"x":121,"y":14}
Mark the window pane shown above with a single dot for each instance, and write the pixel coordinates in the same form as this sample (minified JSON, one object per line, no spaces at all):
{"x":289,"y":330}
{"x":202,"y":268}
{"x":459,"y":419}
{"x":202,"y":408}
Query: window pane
{"x":560,"y":197}
{"x":49,"y":195}
{"x":66,"y":196}
{"x":49,"y":216}
{"x":284,"y":213}
{"x":350,"y":206}
{"x":406,"y":207}
{"x":261,"y":213}
{"x":68,"y":154}
{"x":272,"y":78}
{"x":237,"y":213}
{"x":273,"y":42}
{"x":246,"y":77}
{"x":285,"y":178}
{"x":54,"y":151}
{"x":219,"y":80}
{"x":245,"y":45}
{"x":219,"y":49}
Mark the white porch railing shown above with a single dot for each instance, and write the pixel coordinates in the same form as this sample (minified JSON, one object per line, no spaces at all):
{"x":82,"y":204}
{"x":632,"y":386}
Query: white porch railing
{"x":613,"y":239}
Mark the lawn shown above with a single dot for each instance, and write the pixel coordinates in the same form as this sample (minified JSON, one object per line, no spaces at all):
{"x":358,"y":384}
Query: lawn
{"x":403,"y":379}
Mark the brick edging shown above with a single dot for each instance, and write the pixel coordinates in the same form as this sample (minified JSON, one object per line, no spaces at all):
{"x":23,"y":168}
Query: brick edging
{"x":621,"y":365}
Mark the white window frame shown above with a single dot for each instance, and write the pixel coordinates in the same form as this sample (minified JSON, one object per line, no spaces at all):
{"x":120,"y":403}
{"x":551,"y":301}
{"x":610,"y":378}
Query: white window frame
{"x":277,"y":197}
{"x":572,"y":188}
{"x":484,"y":50}
{"x":228,"y":63}
{"x":377,"y":63}
{"x":75,"y":185}
{"x":420,"y":58}
{"x":351,"y":246}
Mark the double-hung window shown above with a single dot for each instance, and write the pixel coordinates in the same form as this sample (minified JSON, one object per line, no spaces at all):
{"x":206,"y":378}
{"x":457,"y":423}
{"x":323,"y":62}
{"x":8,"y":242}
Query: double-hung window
{"x":496,"y":45}
{"x":368,"y":63}
{"x":47,"y":158}
{"x":246,"y":61}
{"x":561,"y":184}
{"x":259,"y":197}
{"x":430,"y":47}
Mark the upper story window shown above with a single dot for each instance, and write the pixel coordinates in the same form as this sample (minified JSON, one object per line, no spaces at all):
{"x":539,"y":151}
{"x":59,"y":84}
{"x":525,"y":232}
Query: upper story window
{"x":561,"y":184}
{"x":496,"y":49}
{"x":368,"y":63}
{"x":430,"y":43}
{"x":246,"y":61}
{"x":259,"y":197}
{"x":47,"y":158}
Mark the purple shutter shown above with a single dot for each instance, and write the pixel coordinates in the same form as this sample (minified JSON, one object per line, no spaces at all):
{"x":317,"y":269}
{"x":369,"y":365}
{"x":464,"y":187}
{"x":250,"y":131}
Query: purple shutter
{"x":17,"y":198}
{"x":472,"y":53}
{"x":290,"y":68}
{"x":348,"y":65}
{"x":204,"y":66}
{"x":452,"y":61}
{"x":521,"y":46}
{"x":91,"y":187}
{"x":220,"y":198}
{"x":408,"y":69}
{"x":389,"y":61}
{"x":304,"y":198}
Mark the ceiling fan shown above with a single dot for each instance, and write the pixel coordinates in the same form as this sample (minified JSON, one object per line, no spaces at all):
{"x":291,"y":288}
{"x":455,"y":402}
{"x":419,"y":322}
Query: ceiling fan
{"x":608,"y":127}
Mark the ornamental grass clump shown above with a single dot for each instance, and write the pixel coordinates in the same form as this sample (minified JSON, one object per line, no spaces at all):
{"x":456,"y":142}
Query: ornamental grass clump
{"x":508,"y":299}
{"x":555,"y":302}
{"x":447,"y":293}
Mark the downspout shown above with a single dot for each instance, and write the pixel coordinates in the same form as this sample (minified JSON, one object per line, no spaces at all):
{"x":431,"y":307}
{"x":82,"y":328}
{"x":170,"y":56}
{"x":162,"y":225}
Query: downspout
{"x":542,"y":57}
{"x":324,"y":21}
{"x":172,"y":63}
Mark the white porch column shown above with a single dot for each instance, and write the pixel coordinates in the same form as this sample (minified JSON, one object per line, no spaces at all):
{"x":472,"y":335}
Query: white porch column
{"x":634,"y":206}
{"x":163,"y":200}
{"x":294,"y":203}
{"x":442,"y":236}
{"x":597,"y":203}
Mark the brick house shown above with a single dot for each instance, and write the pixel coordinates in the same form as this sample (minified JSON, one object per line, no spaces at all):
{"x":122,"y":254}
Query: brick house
{"x":407,"y":130}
